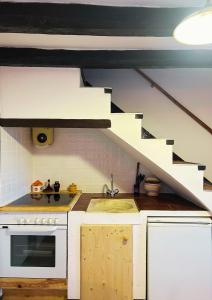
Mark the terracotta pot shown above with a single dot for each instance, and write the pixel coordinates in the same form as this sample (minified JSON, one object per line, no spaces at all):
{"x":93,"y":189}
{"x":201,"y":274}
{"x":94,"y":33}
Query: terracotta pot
{"x":152,"y":187}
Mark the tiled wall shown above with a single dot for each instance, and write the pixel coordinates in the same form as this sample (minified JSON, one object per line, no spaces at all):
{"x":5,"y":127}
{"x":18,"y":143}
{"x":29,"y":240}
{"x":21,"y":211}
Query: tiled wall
{"x":86,"y":157}
{"x":16,"y":163}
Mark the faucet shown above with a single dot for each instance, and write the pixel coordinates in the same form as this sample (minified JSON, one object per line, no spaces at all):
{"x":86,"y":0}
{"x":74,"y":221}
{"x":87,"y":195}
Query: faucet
{"x":112,"y":192}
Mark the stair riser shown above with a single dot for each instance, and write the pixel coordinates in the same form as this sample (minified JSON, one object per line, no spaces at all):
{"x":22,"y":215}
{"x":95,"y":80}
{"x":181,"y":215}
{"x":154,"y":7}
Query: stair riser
{"x":127,"y":125}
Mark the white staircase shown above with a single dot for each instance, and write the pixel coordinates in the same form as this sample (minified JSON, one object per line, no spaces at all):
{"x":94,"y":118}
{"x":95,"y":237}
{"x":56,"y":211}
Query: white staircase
{"x":156,"y":155}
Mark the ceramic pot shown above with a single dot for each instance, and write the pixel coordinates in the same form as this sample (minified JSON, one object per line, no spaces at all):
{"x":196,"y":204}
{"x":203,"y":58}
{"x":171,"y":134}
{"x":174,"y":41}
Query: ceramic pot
{"x":152,"y":186}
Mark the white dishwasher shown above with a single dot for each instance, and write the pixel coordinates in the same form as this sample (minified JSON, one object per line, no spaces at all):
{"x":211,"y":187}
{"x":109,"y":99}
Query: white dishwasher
{"x":179,"y":259}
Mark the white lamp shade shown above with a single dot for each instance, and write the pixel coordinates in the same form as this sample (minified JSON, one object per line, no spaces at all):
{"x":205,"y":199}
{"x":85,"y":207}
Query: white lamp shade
{"x":195,"y":29}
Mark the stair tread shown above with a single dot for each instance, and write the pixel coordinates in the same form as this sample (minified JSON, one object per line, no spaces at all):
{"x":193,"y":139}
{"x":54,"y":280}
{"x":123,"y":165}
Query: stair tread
{"x":207,"y":186}
{"x":180,"y":162}
{"x":184,"y":163}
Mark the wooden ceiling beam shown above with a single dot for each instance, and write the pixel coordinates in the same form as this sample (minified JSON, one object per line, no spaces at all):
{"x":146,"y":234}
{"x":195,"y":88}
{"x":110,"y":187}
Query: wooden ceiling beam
{"x":56,"y":123}
{"x":78,"y":19}
{"x":107,"y":59}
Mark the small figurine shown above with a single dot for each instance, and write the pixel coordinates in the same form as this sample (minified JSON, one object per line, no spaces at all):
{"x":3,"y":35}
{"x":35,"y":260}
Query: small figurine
{"x":37,"y":186}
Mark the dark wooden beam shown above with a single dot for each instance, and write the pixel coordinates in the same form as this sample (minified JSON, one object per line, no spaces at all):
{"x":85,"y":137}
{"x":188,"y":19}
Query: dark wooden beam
{"x":106,"y":59}
{"x":76,"y":19}
{"x":56,"y":123}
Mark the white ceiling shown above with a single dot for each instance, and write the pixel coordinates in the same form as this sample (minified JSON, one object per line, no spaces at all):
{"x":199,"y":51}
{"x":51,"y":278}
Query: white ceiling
{"x":83,"y":42}
{"x":150,"y":3}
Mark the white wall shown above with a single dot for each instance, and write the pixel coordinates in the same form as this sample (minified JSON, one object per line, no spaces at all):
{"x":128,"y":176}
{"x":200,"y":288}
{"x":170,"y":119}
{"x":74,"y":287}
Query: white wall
{"x":18,"y":84}
{"x":161,"y":117}
{"x":191,"y":87}
{"x":86,"y":157}
{"x":16,"y":163}
{"x":52,"y":93}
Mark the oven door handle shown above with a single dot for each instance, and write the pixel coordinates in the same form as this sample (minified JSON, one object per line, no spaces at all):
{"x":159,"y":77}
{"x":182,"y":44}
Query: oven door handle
{"x":26,"y":229}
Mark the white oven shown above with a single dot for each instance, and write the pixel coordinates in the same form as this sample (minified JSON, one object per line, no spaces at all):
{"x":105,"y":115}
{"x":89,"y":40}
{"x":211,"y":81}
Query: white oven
{"x":33,"y":246}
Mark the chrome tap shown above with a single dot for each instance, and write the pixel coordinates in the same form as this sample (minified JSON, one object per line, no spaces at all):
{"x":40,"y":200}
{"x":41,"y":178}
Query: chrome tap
{"x":112,"y":192}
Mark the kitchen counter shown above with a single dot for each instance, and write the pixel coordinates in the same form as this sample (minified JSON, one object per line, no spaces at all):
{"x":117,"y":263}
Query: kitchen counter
{"x":164,"y":202}
{"x":80,"y":202}
{"x":52,"y":202}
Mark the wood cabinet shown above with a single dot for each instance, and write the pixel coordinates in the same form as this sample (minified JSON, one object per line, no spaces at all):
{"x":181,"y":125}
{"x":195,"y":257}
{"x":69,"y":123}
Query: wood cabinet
{"x":106,"y":262}
{"x":34,"y":289}
{"x":34,"y":295}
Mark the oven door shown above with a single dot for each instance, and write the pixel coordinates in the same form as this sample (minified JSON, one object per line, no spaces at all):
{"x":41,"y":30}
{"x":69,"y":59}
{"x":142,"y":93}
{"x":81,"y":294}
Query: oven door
{"x":33,"y":251}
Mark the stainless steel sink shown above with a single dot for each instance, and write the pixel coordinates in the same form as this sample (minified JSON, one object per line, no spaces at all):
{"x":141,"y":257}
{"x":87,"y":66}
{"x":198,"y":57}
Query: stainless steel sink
{"x":112,"y":205}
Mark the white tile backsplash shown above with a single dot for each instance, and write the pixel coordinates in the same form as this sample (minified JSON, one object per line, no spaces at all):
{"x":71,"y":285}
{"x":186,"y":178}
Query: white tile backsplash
{"x":16,"y":163}
{"x":86,"y":157}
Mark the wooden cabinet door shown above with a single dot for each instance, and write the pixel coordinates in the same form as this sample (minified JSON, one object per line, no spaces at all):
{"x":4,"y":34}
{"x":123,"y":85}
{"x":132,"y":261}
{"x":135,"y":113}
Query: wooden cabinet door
{"x":106,"y":262}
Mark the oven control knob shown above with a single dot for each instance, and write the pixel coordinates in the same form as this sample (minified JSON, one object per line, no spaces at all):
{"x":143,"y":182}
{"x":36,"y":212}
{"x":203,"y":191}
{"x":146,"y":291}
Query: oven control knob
{"x":27,"y":221}
{"x":56,"y":221}
{"x":22,"y":221}
{"x":37,"y":221}
{"x":51,"y":221}
{"x":44,"y":221}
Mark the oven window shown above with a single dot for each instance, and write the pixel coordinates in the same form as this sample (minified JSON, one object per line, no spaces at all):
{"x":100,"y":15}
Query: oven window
{"x":32,"y":251}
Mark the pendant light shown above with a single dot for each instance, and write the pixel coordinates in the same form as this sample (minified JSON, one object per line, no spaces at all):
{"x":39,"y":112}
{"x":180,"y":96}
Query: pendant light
{"x":196,"y":29}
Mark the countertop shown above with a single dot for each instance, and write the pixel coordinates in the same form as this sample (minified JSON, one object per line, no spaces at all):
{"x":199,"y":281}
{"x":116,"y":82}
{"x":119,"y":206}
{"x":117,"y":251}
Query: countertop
{"x":164,"y":202}
{"x":80,"y":202}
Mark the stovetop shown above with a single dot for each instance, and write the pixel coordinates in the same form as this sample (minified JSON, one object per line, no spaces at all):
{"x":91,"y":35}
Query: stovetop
{"x":44,"y":200}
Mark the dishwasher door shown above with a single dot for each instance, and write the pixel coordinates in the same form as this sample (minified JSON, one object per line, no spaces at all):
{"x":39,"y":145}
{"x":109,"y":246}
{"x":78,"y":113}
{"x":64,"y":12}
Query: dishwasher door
{"x":179,"y":261}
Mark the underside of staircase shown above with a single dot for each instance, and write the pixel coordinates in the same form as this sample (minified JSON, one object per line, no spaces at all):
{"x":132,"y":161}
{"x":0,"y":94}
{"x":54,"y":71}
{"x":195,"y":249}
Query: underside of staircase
{"x":187,"y":179}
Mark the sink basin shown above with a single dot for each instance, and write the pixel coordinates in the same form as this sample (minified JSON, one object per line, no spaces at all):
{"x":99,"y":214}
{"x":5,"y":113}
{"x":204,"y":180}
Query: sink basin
{"x":112,"y":205}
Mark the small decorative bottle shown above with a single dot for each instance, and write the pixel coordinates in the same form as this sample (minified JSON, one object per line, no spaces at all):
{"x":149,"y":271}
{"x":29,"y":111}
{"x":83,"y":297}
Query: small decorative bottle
{"x":56,"y":186}
{"x":48,"y":189}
